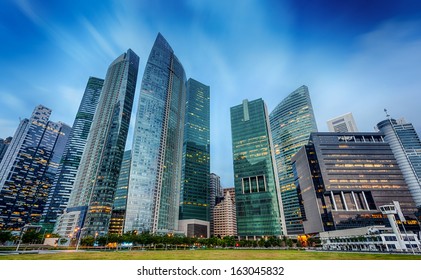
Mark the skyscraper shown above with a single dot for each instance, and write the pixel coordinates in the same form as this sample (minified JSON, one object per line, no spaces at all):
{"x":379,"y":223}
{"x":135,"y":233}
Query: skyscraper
{"x":120,"y":200}
{"x":344,"y":178}
{"x":256,"y":184}
{"x":225,"y":218}
{"x":406,"y":147}
{"x":155,"y":173}
{"x":59,"y":195}
{"x":28,"y":168}
{"x":4,"y":144}
{"x":194,"y":193}
{"x":215,"y":195}
{"x":343,"y":123}
{"x":291,"y":123}
{"x":96,"y":179}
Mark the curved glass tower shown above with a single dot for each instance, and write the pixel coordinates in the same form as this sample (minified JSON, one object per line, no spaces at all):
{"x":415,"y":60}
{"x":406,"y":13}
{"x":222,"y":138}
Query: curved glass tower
{"x":291,"y":123}
{"x":96,"y":179}
{"x":406,"y":146}
{"x":155,"y":173}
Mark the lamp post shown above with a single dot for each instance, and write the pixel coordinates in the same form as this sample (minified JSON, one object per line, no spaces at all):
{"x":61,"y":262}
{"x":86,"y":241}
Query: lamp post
{"x":21,"y":235}
{"x":79,"y":237}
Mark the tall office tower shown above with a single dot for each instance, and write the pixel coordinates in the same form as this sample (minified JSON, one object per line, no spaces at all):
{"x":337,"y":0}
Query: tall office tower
{"x":194,"y":193}
{"x":4,"y":144}
{"x":291,"y":123}
{"x":343,"y":123}
{"x":215,"y":196}
{"x":225,"y":218}
{"x":120,"y":200}
{"x":344,"y":178}
{"x":28,"y":168}
{"x":63,"y":182}
{"x":155,"y":173}
{"x":406,"y":147}
{"x":257,"y":193}
{"x":96,"y":179}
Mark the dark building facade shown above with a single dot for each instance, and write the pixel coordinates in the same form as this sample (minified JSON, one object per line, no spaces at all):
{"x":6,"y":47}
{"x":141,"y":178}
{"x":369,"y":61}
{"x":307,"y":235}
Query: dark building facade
{"x":215,"y":196}
{"x":4,"y":144}
{"x":194,"y":192}
{"x":343,"y":179}
{"x":29,"y":167}
{"x":120,"y":200}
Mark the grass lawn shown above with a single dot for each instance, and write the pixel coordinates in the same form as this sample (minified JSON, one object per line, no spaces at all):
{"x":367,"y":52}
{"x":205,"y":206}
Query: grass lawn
{"x":210,"y":255}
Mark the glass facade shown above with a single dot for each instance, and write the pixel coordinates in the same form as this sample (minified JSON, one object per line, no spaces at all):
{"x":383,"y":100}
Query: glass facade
{"x":63,"y":183}
{"x":155,"y":173}
{"x":406,"y":147}
{"x":215,"y":196}
{"x":194,"y":193}
{"x":96,"y":179}
{"x":256,"y":186}
{"x":343,"y":178}
{"x":291,"y":123}
{"x":120,"y":200}
{"x":4,"y":144}
{"x":28,"y":169}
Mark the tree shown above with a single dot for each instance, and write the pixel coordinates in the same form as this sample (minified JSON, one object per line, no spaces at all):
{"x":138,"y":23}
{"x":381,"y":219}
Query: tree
{"x":87,"y":241}
{"x":229,"y":241}
{"x":32,"y":236}
{"x":5,"y":236}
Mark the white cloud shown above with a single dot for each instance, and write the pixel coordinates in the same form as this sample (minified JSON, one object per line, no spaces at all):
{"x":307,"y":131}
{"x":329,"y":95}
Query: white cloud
{"x":383,"y":73}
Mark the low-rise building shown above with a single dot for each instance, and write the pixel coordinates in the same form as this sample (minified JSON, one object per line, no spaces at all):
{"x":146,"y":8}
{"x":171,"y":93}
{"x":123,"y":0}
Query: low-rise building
{"x":374,"y":238}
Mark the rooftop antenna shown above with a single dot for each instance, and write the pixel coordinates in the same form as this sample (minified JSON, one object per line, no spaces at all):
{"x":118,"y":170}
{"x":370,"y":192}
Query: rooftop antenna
{"x":387,"y":115}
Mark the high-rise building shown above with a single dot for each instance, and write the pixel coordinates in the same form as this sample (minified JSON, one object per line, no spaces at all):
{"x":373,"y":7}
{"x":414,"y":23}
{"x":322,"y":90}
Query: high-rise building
{"x":96,"y":179}
{"x":4,"y":144}
{"x":28,"y":168}
{"x":343,"y":123}
{"x":225,"y":218}
{"x":291,"y":123}
{"x":194,"y":193}
{"x":215,"y":196}
{"x":155,"y":173}
{"x":256,"y":184}
{"x":63,"y":183}
{"x":406,"y":147}
{"x":344,"y":178}
{"x":120,"y":200}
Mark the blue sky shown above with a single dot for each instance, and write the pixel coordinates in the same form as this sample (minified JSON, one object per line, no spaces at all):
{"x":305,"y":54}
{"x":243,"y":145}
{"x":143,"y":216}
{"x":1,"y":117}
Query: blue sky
{"x":355,"y":56}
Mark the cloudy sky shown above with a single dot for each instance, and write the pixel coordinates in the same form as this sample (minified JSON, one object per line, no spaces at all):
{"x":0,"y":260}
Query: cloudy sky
{"x":355,"y":56}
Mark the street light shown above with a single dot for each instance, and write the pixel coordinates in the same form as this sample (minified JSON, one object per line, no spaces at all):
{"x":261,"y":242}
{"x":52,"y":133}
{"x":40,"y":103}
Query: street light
{"x":79,"y":236}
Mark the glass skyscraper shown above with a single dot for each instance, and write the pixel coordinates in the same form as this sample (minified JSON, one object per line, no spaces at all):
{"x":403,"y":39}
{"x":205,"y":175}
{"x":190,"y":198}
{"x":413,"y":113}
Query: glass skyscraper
{"x":215,"y":196}
{"x":63,"y":183}
{"x":28,"y":169}
{"x":406,"y":147}
{"x":4,"y":144}
{"x":256,"y":184}
{"x":194,"y":194}
{"x":155,"y":173}
{"x":96,"y":179}
{"x":120,"y":199}
{"x":291,"y":123}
